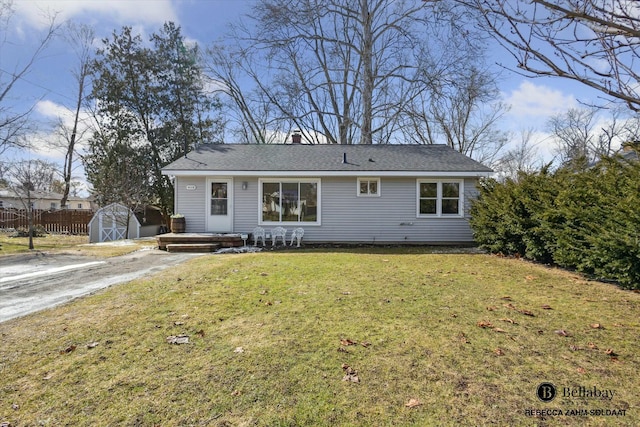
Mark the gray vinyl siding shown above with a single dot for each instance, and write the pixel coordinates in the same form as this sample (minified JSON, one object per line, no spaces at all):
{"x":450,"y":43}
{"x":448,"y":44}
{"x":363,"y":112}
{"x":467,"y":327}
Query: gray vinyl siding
{"x":344,"y":216}
{"x":191,"y":203}
{"x":389,"y":218}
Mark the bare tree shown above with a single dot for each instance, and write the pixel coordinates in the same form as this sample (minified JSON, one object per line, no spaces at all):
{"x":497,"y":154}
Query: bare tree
{"x":521,"y":158}
{"x":14,"y":121}
{"x":252,"y":115}
{"x":584,"y":135}
{"x":462,"y":112}
{"x":81,"y":38}
{"x":573,"y":132}
{"x":27,"y":179}
{"x":344,"y":71}
{"x":594,"y":42}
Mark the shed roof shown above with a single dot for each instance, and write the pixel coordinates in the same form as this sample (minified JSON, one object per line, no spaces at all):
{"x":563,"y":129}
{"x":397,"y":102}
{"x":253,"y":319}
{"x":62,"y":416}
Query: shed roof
{"x":332,"y":159}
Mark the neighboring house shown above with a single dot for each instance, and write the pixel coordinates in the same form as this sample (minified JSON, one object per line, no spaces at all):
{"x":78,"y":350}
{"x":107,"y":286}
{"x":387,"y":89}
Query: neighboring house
{"x":110,"y":223}
{"x":337,"y":193}
{"x":42,"y":201}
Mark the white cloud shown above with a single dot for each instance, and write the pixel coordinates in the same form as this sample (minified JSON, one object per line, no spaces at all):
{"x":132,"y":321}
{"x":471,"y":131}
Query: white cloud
{"x":36,"y":12}
{"x":538,"y":101}
{"x":51,"y":143}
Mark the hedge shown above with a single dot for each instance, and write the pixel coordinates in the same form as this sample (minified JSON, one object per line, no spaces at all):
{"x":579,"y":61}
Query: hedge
{"x":588,"y":220}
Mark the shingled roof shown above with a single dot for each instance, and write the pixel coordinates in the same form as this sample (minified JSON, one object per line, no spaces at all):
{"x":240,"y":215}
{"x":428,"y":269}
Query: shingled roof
{"x":333,"y":159}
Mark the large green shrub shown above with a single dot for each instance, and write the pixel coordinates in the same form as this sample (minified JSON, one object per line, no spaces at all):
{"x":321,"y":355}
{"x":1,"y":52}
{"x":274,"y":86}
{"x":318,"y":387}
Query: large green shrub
{"x":588,"y":221}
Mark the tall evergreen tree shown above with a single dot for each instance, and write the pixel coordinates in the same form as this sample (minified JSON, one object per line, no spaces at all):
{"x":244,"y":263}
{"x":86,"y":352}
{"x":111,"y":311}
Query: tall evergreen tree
{"x":151,"y":99}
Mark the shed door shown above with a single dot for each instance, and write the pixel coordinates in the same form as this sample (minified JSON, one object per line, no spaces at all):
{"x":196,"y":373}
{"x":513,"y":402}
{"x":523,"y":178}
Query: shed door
{"x":220,"y":205}
{"x":113,"y":226}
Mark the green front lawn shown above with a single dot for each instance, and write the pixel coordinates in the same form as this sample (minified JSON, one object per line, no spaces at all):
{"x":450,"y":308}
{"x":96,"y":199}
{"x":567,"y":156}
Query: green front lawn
{"x":370,"y":337}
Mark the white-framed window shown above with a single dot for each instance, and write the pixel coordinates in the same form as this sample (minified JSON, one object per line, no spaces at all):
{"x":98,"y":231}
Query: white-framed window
{"x":289,"y":201}
{"x":54,"y":205}
{"x":368,"y":187}
{"x":79,"y":205}
{"x":440,"y":198}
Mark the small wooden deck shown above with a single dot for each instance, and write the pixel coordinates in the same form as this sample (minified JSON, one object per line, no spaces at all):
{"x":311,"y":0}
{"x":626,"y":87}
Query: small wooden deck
{"x":197,"y":242}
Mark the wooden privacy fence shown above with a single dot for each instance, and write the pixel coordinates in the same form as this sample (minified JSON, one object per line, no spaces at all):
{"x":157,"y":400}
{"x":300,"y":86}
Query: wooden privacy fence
{"x":65,"y":221}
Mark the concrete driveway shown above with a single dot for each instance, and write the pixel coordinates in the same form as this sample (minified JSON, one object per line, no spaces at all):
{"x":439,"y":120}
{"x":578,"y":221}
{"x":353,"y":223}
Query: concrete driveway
{"x":32,"y":282}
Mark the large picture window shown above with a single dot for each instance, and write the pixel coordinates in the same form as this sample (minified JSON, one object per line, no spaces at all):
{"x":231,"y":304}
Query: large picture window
{"x":440,"y":198}
{"x":290,"y":201}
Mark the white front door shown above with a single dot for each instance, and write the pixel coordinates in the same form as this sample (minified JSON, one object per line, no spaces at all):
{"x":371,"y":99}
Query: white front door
{"x":220,"y":205}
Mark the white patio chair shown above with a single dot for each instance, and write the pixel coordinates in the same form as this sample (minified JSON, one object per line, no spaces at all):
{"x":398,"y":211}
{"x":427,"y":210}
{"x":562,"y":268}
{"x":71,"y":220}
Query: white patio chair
{"x":279,"y":232}
{"x":297,"y":234}
{"x":258,"y":233}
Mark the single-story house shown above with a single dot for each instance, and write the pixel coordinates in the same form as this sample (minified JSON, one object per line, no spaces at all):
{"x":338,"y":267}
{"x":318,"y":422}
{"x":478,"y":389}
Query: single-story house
{"x":42,"y":200}
{"x":336,"y":193}
{"x":117,"y":222}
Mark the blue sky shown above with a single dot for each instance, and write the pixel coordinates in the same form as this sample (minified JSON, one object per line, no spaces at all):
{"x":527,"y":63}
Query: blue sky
{"x":50,"y":85}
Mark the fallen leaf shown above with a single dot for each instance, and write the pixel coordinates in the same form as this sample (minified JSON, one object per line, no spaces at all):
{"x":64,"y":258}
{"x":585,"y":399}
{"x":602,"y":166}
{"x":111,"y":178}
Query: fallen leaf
{"x":581,"y":370}
{"x":506,"y":319}
{"x":527,"y":312}
{"x":462,"y":337}
{"x":264,"y":292}
{"x":485,"y":324}
{"x":69,"y":349}
{"x":562,"y":333}
{"x":492,"y":308}
{"x":365,"y":344}
{"x":540,"y":332}
{"x":264,"y":274}
{"x":499,"y":330}
{"x":499,"y":351}
{"x":506,"y":297}
{"x":236,"y":393}
{"x":412,"y":403}
{"x":239,"y":350}
{"x":453,"y":315}
{"x":178,"y":323}
{"x":92,"y":344}
{"x":343,"y":350}
{"x":346,"y":342}
{"x":592,"y":346}
{"x":546,"y":307}
{"x":530,"y":277}
{"x":596,"y":326}
{"x":200,"y":333}
{"x":350,"y":374}
{"x":178,"y":339}
{"x":268,"y":303}
{"x":575,"y":348}
{"x":610,"y":352}
{"x":15,"y":406}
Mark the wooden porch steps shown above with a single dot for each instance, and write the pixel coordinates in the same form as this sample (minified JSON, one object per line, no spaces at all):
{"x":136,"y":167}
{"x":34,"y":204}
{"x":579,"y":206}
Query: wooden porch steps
{"x":192,"y":247}
{"x":198,"y":242}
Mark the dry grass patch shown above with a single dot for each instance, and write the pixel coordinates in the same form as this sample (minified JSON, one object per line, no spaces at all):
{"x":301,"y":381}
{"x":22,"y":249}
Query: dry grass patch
{"x":382,"y":337}
{"x":62,"y":243}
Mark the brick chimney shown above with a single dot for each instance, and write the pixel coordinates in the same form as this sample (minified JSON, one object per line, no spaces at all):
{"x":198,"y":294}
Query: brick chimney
{"x":296,"y":137}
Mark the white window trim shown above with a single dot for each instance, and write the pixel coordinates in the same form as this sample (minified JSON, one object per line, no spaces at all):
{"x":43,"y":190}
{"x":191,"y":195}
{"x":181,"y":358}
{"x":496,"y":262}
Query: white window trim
{"x":368,"y":179}
{"x":439,"y":213}
{"x":318,"y":183}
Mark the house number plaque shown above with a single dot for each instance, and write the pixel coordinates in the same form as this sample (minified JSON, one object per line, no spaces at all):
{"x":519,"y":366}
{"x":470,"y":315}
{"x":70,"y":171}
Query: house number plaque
{"x":190,"y":187}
